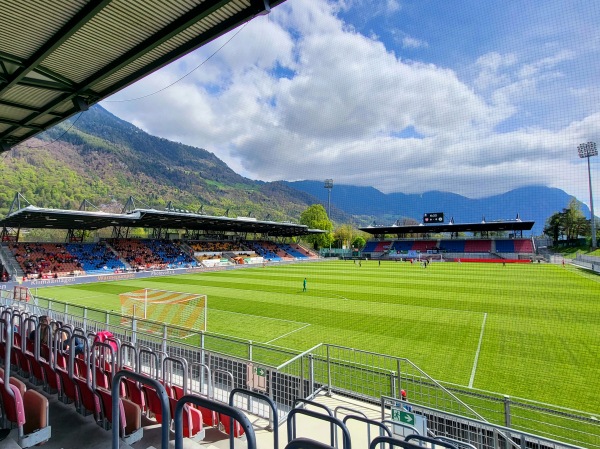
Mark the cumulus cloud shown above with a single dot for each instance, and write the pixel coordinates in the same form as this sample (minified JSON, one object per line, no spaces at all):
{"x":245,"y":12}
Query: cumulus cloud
{"x":300,"y":94}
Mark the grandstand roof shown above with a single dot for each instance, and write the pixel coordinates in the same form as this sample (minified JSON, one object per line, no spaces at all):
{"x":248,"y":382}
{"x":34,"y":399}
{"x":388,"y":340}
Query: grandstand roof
{"x":492,"y":226}
{"x":58,"y":58}
{"x":36,"y":217}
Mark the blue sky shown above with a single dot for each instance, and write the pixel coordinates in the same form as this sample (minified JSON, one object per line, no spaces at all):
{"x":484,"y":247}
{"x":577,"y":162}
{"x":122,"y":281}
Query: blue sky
{"x":471,"y":97}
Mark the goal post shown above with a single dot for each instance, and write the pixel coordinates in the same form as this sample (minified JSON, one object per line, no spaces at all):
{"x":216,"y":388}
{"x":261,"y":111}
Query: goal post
{"x":180,"y":309}
{"x":21,"y":293}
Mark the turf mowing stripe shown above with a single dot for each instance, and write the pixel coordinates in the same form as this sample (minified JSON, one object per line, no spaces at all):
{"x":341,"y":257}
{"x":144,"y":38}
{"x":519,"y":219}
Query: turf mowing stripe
{"x":477,"y":353}
{"x":285,"y":335}
{"x":261,"y":317}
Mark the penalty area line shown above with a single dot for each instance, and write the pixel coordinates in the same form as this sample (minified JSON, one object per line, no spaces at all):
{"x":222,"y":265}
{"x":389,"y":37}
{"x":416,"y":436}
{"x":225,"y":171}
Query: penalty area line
{"x":285,"y":335}
{"x":257,"y":316}
{"x":474,"y":370}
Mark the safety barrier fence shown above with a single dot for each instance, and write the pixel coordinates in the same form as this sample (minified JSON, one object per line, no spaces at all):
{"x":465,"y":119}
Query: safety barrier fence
{"x":588,"y":259}
{"x":589,"y":262}
{"x":481,"y":434}
{"x":285,"y":375}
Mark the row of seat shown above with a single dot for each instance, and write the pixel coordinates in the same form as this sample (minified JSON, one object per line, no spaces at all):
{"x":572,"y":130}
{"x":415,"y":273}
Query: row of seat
{"x":95,"y":258}
{"x":85,"y":380}
{"x":25,"y":409}
{"x":452,"y":246}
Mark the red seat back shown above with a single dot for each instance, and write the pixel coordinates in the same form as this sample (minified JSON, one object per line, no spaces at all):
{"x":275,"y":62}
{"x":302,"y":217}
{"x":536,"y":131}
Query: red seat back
{"x":225,"y":420}
{"x":13,"y":407}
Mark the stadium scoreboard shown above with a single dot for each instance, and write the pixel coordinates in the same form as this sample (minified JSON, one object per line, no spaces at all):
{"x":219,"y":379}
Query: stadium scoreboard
{"x":433,"y":217}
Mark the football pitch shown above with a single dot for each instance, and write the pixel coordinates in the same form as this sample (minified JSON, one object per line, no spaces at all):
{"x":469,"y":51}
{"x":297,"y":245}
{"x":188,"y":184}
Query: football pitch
{"x":525,"y":330}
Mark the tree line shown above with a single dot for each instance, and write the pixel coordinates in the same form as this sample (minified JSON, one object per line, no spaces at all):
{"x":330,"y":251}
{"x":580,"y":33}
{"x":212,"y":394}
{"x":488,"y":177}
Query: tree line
{"x":568,"y":225}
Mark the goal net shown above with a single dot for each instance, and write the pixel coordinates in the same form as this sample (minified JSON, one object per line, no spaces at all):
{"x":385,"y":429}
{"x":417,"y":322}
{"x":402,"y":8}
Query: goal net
{"x":182,"y":310}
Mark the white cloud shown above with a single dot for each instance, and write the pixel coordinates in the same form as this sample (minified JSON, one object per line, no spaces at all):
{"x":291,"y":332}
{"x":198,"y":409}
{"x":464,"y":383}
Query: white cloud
{"x":301,"y":95}
{"x":413,"y":42}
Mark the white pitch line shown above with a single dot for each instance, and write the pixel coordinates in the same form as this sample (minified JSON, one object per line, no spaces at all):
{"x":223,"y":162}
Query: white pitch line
{"x":257,"y":316}
{"x":285,"y":335}
{"x":477,"y":353}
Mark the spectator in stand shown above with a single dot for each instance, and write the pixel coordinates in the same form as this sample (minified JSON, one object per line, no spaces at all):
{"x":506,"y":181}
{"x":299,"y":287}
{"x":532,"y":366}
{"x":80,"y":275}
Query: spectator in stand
{"x":404,"y":398}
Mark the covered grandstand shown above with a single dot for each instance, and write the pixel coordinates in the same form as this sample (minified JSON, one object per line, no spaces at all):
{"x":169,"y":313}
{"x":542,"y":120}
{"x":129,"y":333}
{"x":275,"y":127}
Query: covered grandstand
{"x":489,"y":241}
{"x":209,"y":241}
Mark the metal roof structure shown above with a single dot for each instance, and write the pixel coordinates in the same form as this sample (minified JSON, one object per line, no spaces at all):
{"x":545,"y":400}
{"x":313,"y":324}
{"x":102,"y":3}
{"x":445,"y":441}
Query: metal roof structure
{"x":32,"y":217}
{"x":482,"y":227}
{"x":59,"y":57}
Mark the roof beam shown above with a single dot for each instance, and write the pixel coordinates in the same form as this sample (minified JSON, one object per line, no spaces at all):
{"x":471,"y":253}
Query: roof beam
{"x":196,"y":14}
{"x":25,"y":107}
{"x":189,"y":46}
{"x":176,"y":27}
{"x":67,"y":30}
{"x":16,"y":123}
{"x":47,"y":85}
{"x":188,"y":19}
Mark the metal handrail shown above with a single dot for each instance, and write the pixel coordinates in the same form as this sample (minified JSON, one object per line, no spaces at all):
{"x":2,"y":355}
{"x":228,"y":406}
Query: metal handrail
{"x":184,"y":367}
{"x":209,"y":387}
{"x":291,"y":425}
{"x":392,"y":442}
{"x":369,"y":422}
{"x":401,"y":424}
{"x":306,"y":443}
{"x":101,"y":366}
{"x":162,"y":396}
{"x":431,"y":441}
{"x":269,"y":401}
{"x":216,"y":407}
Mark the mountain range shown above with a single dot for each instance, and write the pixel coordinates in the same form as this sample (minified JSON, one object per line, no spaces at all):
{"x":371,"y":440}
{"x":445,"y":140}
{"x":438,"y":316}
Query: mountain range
{"x":535,"y":203}
{"x":105,"y":160}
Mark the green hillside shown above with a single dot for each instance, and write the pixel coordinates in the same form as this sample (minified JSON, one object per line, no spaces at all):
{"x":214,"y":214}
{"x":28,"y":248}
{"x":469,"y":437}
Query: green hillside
{"x":105,"y":160}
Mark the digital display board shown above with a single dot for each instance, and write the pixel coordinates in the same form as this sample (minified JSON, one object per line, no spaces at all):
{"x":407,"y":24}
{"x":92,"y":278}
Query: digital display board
{"x":433,"y":217}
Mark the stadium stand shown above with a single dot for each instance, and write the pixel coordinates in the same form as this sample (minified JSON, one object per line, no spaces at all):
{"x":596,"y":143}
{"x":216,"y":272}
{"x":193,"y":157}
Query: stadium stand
{"x":267,"y":250}
{"x":505,"y":246}
{"x":170,"y":253}
{"x":95,"y":257}
{"x":463,"y":249}
{"x":151,"y":254}
{"x":43,"y":259}
{"x":424,"y":245}
{"x":478,"y":246}
{"x":453,"y":246}
{"x":216,"y":246}
{"x":370,"y":246}
{"x":293,"y":251}
{"x":402,"y":245}
{"x":523,"y":246}
{"x":383,"y":246}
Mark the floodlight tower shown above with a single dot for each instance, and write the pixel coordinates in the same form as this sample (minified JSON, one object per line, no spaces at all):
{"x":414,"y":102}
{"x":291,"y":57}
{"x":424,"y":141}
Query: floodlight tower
{"x":588,"y":150}
{"x":329,"y":186}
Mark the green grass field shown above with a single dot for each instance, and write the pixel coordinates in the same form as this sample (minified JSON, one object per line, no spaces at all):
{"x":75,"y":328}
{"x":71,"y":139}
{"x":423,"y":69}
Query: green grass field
{"x":540,"y":341}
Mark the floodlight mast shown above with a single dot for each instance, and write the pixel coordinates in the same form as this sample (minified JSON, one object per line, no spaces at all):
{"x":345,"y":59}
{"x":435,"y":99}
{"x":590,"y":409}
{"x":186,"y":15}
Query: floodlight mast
{"x":329,"y":186}
{"x":587,"y":150}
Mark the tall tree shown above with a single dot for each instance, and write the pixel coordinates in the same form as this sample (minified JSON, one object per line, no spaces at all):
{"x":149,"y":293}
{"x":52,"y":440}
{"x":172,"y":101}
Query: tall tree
{"x":344,"y":234}
{"x":570,"y":222}
{"x":553,"y":227}
{"x":359,"y":242}
{"x":315,"y":217}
